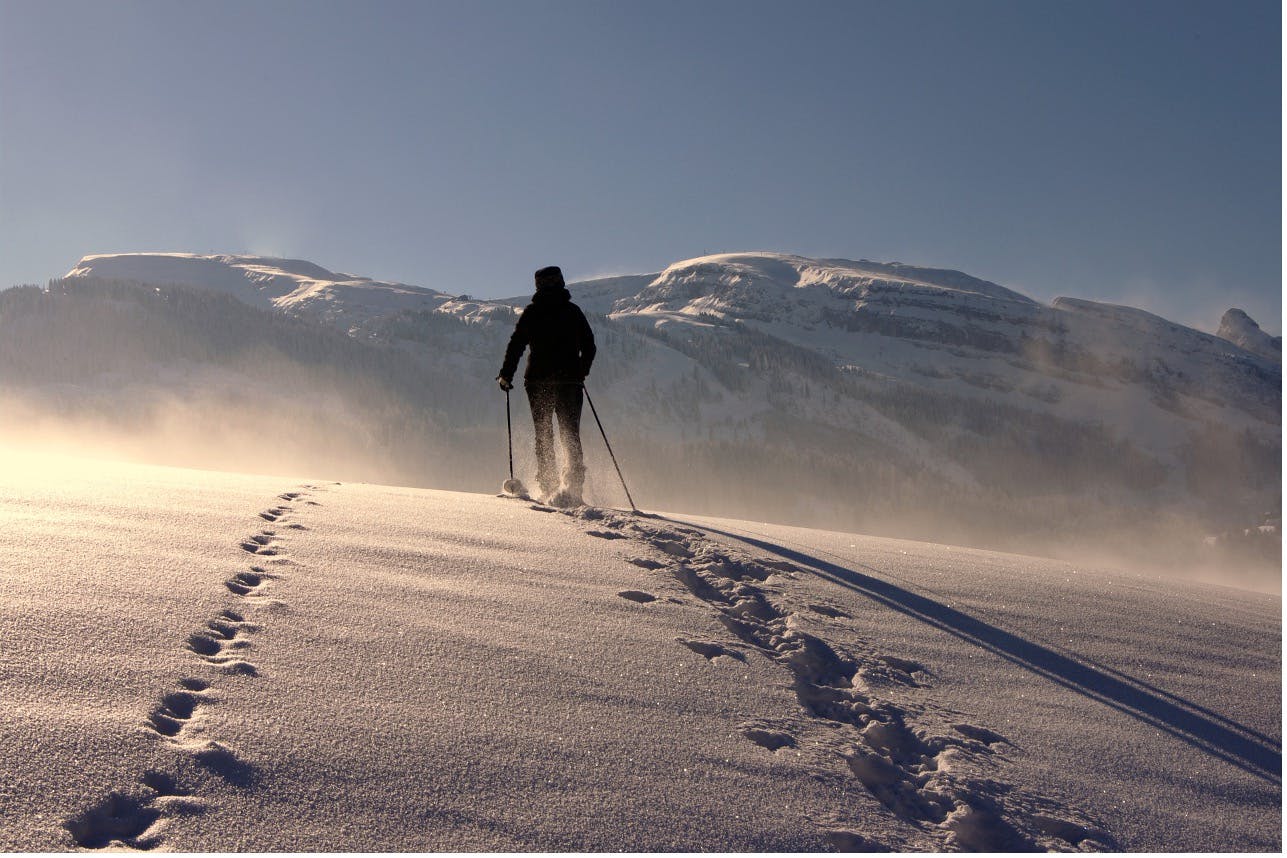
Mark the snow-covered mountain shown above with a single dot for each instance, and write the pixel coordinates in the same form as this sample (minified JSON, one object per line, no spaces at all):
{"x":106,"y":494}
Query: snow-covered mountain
{"x":862,"y":395}
{"x":1241,"y":330}
{"x":291,"y":285}
{"x":878,"y":319}
{"x":903,"y":322}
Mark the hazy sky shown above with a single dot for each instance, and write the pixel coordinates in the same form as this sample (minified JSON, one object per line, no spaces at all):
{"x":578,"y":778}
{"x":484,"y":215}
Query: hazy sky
{"x":1121,"y":151}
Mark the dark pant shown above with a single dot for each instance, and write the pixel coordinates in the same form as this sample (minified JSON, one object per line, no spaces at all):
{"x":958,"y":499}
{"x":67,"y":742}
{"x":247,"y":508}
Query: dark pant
{"x":561,"y":401}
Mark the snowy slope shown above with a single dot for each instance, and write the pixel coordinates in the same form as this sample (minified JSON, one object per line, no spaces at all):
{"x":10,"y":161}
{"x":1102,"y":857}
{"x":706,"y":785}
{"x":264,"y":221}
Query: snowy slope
{"x":600,"y":294}
{"x":922,"y":324}
{"x":936,"y":326}
{"x":290,"y":285}
{"x":1241,"y":330}
{"x":205,"y":661}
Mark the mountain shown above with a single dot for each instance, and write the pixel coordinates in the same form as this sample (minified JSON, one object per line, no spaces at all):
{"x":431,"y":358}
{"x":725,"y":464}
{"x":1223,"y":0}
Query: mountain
{"x":204,"y":661}
{"x":877,"y":397}
{"x":294,"y":286}
{"x":1241,"y":330}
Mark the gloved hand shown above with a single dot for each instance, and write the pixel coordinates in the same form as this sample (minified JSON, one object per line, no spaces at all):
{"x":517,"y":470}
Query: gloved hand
{"x":505,"y":383}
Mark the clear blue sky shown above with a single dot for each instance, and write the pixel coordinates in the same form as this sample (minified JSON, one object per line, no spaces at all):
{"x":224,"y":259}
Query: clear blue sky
{"x":1122,"y":151}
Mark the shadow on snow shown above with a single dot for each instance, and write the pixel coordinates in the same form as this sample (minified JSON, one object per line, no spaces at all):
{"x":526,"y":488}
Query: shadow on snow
{"x":1217,"y":735}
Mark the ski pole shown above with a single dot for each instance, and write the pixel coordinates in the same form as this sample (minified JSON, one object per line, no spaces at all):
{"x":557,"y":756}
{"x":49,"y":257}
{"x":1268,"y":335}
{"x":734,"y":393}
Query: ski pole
{"x":509,"y":436}
{"x":607,"y":444}
{"x":512,"y":487}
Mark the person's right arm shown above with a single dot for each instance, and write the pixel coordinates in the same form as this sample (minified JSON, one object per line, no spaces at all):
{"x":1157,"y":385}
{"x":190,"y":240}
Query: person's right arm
{"x":517,"y":344}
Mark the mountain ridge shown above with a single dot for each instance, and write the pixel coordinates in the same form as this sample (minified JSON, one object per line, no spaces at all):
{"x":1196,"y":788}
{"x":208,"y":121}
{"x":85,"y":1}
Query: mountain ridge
{"x":852,"y":395}
{"x":290,"y":283}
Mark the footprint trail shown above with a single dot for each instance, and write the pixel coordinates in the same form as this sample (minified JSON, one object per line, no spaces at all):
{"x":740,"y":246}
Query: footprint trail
{"x":136,"y":816}
{"x":942,"y":778}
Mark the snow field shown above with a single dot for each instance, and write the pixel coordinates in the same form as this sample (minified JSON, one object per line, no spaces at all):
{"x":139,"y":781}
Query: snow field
{"x":206,"y":661}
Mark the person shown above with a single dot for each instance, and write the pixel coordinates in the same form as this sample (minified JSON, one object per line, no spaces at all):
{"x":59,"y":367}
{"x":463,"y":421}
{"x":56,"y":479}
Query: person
{"x":562,"y":350}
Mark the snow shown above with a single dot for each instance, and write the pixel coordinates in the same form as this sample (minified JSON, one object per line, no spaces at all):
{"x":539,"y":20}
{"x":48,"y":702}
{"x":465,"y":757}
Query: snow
{"x":270,"y":664}
{"x":598,"y":295}
{"x":1241,"y":330}
{"x":291,"y":285}
{"x":931,"y":327}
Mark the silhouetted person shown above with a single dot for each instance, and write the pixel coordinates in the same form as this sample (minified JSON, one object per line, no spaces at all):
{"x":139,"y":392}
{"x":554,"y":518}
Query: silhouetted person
{"x":562,"y":349}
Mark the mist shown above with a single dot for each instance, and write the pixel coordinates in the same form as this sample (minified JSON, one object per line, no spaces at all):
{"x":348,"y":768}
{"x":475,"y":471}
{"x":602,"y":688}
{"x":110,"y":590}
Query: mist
{"x":734,"y":424}
{"x":318,"y":433}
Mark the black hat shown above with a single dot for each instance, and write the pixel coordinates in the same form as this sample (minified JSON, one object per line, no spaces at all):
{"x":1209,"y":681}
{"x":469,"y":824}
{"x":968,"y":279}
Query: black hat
{"x":550,"y":277}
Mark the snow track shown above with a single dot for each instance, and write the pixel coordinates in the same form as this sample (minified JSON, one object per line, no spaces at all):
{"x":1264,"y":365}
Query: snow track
{"x":941,"y":775}
{"x":418,"y":670}
{"x":136,"y":816}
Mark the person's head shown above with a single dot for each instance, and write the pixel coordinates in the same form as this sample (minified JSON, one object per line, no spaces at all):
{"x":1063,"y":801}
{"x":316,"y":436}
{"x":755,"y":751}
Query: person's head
{"x":550,"y":277}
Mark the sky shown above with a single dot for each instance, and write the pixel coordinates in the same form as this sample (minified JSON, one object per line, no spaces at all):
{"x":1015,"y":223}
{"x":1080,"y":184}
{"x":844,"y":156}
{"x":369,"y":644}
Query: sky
{"x":1122,"y":151}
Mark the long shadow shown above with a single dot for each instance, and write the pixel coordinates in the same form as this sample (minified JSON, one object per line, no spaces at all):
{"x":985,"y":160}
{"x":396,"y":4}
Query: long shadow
{"x":1215,"y":734}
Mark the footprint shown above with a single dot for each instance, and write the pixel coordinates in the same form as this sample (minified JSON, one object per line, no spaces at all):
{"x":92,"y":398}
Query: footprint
{"x":219,"y":645}
{"x":173,"y":714}
{"x":769,"y":739}
{"x":204,"y":645}
{"x":828,"y":611}
{"x":711,"y":650}
{"x":262,"y":543}
{"x":637,"y":596}
{"x":222,"y":629}
{"x":645,"y":563}
{"x":672,"y":547}
{"x":1073,"y":833}
{"x":162,"y":784}
{"x":852,"y":841}
{"x":239,"y":667}
{"x":605,"y":534}
{"x":119,"y":817}
{"x":980,"y":734}
{"x":289,"y":496}
{"x":245,"y":583}
{"x":905,"y":665}
{"x":224,"y":762}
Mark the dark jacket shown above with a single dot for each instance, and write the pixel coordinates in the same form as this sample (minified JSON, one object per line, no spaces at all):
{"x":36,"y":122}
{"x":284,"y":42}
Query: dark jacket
{"x":560,"y":338}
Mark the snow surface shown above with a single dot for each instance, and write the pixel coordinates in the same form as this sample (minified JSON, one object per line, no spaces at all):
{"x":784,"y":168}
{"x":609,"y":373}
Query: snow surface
{"x":290,"y":285}
{"x":1241,"y":330}
{"x":208,"y":661}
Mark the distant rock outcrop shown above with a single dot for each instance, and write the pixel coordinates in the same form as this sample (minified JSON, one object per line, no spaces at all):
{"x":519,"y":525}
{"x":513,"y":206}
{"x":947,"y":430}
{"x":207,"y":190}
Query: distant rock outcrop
{"x":1241,"y":330}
